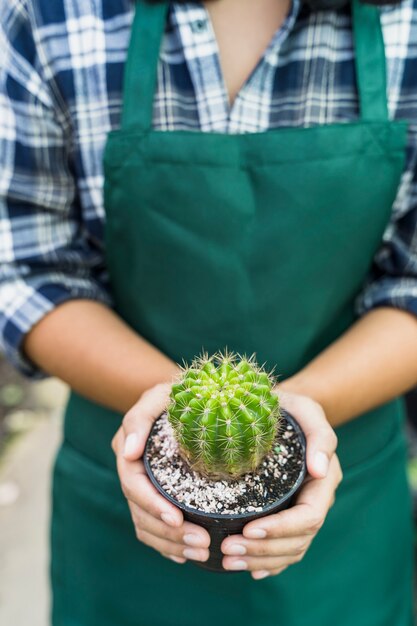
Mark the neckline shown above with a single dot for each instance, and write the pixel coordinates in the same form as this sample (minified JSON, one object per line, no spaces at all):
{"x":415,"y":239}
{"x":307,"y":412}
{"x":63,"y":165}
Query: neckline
{"x":187,"y":17}
{"x":148,"y":29}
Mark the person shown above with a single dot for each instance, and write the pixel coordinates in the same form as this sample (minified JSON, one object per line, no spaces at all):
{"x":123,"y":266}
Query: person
{"x":239,"y":175}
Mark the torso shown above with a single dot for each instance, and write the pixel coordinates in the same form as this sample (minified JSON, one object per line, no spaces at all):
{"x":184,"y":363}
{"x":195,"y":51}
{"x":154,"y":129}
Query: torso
{"x":311,"y":83}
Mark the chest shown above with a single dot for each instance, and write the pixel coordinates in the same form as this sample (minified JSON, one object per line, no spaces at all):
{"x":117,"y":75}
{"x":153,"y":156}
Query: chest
{"x":306,"y":78}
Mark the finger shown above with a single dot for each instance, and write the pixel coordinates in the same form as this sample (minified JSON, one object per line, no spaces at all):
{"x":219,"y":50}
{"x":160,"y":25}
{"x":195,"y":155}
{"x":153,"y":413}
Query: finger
{"x":237,"y":545}
{"x":176,"y":559}
{"x":321,"y":438}
{"x":188,"y":534}
{"x":308,"y":514}
{"x":256,"y":563}
{"x":118,"y":441}
{"x":259,"y":574}
{"x":171,"y":548}
{"x":138,"y":488}
{"x":138,"y":421}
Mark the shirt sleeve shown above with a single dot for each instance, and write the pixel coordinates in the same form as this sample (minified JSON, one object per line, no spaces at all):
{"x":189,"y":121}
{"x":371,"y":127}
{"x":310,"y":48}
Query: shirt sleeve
{"x":393,"y":278}
{"x":46,"y":257}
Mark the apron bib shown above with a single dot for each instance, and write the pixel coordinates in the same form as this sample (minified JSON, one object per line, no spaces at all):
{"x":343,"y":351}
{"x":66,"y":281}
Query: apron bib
{"x":259,"y":243}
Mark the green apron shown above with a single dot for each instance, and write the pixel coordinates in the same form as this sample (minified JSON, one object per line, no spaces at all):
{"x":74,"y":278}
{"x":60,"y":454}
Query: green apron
{"x":257,"y":242}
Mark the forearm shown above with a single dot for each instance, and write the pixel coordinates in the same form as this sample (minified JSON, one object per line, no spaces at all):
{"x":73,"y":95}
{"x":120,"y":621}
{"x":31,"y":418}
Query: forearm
{"x":89,"y":347}
{"x":373,"y":362}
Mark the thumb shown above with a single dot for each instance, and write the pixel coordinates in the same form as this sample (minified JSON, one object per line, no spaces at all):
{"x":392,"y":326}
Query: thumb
{"x":138,"y":421}
{"x":320,"y":436}
{"x":321,"y":446}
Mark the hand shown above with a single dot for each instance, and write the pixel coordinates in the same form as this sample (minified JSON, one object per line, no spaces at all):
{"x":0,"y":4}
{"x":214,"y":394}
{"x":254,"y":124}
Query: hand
{"x":158,"y":523}
{"x":272,"y":543}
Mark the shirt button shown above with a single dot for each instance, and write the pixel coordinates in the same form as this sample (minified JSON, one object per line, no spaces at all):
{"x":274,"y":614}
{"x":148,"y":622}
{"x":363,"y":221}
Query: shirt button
{"x":199,"y":26}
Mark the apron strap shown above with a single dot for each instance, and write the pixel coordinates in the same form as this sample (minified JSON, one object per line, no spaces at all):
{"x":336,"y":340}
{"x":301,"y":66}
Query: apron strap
{"x":142,"y":64}
{"x":371,"y":71}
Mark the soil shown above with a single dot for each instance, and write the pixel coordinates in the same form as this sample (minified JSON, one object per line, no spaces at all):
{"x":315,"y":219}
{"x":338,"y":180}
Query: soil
{"x":273,"y":479}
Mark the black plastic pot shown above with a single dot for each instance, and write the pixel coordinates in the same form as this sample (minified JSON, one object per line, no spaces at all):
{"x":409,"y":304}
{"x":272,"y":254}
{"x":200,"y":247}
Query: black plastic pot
{"x":221,"y":526}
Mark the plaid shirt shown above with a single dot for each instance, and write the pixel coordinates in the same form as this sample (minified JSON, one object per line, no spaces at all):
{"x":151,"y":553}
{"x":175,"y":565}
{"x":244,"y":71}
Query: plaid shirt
{"x":61,"y":71}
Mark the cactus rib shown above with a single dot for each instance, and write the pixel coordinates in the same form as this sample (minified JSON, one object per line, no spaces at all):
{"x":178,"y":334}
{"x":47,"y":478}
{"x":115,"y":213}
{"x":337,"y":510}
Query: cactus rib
{"x":224,"y":414}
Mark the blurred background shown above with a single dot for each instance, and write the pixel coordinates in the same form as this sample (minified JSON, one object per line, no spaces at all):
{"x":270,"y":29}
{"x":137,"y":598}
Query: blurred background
{"x":30,"y":428}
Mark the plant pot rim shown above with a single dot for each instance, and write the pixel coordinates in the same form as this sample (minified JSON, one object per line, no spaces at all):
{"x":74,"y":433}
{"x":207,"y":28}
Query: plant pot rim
{"x":233,"y":516}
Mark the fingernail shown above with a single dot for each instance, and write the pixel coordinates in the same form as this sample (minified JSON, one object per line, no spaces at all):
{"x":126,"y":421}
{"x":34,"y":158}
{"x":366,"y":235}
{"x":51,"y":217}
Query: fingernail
{"x":255,"y":533}
{"x":238,"y":565}
{"x":168,"y":519}
{"x":259,"y":575}
{"x":177,"y":559}
{"x":236,"y":549}
{"x":193,"y":540}
{"x":189,"y":553}
{"x":130,"y":444}
{"x":321,"y":463}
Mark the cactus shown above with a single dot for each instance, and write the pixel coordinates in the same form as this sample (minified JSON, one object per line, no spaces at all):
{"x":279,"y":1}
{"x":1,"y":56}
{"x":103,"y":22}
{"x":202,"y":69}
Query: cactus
{"x":224,"y":415}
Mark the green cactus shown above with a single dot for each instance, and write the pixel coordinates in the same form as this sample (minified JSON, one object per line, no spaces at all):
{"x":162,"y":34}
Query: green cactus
{"x":224,"y":415}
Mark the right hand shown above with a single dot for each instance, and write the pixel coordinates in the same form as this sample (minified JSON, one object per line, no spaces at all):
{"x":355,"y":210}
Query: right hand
{"x":158,"y":523}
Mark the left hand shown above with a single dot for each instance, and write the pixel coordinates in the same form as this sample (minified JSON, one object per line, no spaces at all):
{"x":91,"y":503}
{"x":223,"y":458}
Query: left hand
{"x":270,"y":544}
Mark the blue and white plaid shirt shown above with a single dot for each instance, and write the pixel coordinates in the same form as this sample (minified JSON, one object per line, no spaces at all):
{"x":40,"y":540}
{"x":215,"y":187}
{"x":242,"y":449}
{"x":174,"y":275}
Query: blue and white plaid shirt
{"x":61,"y":71}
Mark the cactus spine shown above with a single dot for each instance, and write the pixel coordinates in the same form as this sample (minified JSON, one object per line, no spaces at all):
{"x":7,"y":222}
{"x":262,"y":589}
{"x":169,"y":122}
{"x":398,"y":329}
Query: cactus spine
{"x":224,"y":415}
